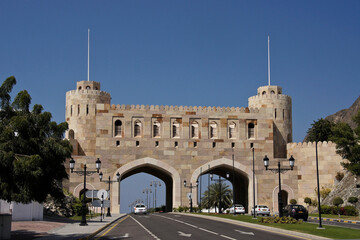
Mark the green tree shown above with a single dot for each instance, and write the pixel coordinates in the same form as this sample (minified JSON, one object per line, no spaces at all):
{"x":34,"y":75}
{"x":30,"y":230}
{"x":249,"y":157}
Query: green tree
{"x":32,"y":149}
{"x":308,"y":201}
{"x":321,"y":130}
{"x":348,"y":144}
{"x":337,"y":202}
{"x":212,"y":196}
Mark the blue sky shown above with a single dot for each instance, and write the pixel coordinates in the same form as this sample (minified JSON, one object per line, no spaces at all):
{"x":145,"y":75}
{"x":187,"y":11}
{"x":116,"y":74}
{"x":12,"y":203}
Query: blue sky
{"x":211,"y":53}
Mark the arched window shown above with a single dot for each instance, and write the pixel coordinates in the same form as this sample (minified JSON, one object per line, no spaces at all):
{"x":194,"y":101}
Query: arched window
{"x":79,"y":88}
{"x":137,"y":129}
{"x":272,"y":92}
{"x":251,"y":130}
{"x":263,"y":93}
{"x":71,"y":134}
{"x":118,"y":125}
{"x":232,"y":130}
{"x":88,"y":87}
{"x":194,"y":129}
{"x":213,"y":130}
{"x":156,"y":129}
{"x":176,"y":129}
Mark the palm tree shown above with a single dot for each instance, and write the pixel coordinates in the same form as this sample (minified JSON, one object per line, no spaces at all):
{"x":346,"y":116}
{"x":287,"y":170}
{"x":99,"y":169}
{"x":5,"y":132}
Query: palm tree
{"x":213,"y":194}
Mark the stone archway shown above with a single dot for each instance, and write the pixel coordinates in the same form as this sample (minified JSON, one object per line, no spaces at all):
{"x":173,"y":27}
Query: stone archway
{"x":284,"y":188}
{"x":145,"y":165}
{"x":240,"y":169}
{"x":77,"y":190}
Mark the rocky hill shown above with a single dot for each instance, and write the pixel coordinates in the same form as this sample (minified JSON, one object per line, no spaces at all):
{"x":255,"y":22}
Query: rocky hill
{"x":346,"y":115}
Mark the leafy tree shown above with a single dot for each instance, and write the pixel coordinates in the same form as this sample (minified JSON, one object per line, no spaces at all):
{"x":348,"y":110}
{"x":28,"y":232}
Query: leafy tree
{"x":212,"y":195}
{"x":337,"y":202}
{"x":321,"y":130}
{"x":293,"y":201}
{"x":348,"y":144}
{"x":353,"y":200}
{"x":308,"y":201}
{"x":32,"y":149}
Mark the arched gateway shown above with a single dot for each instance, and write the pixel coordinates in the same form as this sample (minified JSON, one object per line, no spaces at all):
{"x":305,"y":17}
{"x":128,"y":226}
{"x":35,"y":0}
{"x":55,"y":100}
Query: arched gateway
{"x":177,"y":143}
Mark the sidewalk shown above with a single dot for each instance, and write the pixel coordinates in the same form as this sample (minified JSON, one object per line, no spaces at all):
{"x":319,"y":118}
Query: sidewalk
{"x":59,"y":228}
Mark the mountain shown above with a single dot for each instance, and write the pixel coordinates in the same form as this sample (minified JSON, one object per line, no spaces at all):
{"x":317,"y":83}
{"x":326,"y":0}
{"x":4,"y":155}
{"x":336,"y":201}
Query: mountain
{"x":346,"y":115}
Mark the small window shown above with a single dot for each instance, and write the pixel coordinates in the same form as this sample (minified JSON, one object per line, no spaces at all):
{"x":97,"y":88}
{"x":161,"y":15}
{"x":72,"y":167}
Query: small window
{"x":156,"y":129}
{"x":78,"y":109}
{"x":195,"y":144}
{"x":87,"y":109}
{"x":214,"y":144}
{"x":283,"y":114}
{"x":232,"y":145}
{"x":71,"y":134}
{"x":137,"y":129}
{"x":117,"y":143}
{"x":275,"y":113}
{"x":213,"y":130}
{"x":79,"y":88}
{"x":194,"y":129}
{"x":71,"y":110}
{"x":176,"y":144}
{"x":232,"y":130}
{"x":251,"y":145}
{"x":156,"y":143}
{"x":137,"y":143}
{"x":263,"y":93}
{"x":272,"y":92}
{"x":88,"y":87}
{"x":251,"y":130}
{"x":118,"y":125}
{"x":176,"y":129}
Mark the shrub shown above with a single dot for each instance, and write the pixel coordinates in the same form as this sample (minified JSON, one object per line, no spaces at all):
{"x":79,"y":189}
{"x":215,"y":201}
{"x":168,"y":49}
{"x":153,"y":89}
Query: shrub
{"x":325,"y":209}
{"x":180,"y":209}
{"x":353,"y":200}
{"x":78,"y":209}
{"x":281,"y":220}
{"x":186,"y":209}
{"x":350,"y":211}
{"x":338,"y":201}
{"x":308,"y":201}
{"x":293,"y":201}
{"x":314,"y":202}
{"x":339,"y":176}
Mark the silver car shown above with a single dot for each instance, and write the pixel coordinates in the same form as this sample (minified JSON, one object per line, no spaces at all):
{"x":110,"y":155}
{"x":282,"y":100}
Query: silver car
{"x":261,"y":210}
{"x":140,"y":208}
{"x":238,"y":209}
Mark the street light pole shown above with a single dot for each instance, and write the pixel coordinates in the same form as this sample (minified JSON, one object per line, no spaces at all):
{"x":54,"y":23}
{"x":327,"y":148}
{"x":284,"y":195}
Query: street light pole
{"x":253,"y":153}
{"x":191,"y":187}
{"x":279,"y":170}
{"x":84,"y":173}
{"x":233,"y":183}
{"x":155,"y":183}
{"x":318,"y":185}
{"x":147,"y":191}
{"x":109,"y":181}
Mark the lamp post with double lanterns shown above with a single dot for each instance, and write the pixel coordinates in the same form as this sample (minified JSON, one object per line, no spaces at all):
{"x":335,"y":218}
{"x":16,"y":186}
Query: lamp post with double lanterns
{"x":84,"y":173}
{"x":155,"y":183}
{"x":279,"y":170}
{"x":220,"y":182}
{"x":109,"y":181}
{"x":147,"y":191}
{"x":191,"y":187}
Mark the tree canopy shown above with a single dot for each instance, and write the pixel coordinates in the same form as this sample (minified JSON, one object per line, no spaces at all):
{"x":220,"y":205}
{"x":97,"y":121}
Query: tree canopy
{"x":32,"y":149}
{"x":215,"y":191}
{"x":321,"y":130}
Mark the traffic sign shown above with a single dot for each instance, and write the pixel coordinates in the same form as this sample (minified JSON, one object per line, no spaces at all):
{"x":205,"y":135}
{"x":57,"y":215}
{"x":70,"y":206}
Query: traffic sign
{"x":102,"y":194}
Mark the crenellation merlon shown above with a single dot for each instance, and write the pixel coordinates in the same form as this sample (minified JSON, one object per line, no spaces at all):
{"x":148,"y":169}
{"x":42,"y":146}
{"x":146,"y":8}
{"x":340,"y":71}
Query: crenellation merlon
{"x":87,"y":91}
{"x":310,"y":144}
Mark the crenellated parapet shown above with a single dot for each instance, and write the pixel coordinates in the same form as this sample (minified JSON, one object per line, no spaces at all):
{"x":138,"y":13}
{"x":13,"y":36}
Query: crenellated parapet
{"x":269,"y":96}
{"x":87,"y":92}
{"x":310,"y":144}
{"x":124,"y":107}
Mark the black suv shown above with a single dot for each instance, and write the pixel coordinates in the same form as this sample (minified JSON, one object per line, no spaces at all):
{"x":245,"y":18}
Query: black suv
{"x":296,"y":211}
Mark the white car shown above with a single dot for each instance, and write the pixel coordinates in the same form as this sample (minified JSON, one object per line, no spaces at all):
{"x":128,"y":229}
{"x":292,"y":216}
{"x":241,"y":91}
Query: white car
{"x":238,"y":209}
{"x":140,"y":208}
{"x":261,"y":210}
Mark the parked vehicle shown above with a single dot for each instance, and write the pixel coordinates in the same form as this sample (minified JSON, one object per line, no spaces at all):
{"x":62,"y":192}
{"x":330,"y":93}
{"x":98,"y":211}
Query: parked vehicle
{"x":261,"y":210}
{"x":238,"y":209}
{"x":140,"y":208}
{"x":296,"y":211}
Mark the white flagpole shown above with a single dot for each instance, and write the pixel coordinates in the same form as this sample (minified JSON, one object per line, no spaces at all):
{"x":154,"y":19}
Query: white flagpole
{"x":88,"y":72}
{"x":269,"y":59}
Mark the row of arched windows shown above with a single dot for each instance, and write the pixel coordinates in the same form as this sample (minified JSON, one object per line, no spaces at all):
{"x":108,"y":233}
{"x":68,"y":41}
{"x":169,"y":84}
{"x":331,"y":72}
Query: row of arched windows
{"x":175,"y":129}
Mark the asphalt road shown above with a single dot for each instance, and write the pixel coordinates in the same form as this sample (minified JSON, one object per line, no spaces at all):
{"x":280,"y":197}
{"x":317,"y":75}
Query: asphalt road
{"x":339,"y":224}
{"x":172,"y":226}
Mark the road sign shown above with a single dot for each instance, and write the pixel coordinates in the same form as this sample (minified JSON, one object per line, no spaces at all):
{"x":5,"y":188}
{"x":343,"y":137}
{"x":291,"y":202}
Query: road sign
{"x":93,"y":193}
{"x":102,"y":194}
{"x":189,"y":196}
{"x":97,"y":203}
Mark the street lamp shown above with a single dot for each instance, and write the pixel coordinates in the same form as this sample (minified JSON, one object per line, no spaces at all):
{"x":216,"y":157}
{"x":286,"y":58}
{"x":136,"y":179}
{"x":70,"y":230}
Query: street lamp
{"x":220,"y":182}
{"x":155,"y":183}
{"x":84,"y":173}
{"x":191,"y":187}
{"x":279,"y":170}
{"x":109,"y":181}
{"x":253,"y":157}
{"x":147,"y":191}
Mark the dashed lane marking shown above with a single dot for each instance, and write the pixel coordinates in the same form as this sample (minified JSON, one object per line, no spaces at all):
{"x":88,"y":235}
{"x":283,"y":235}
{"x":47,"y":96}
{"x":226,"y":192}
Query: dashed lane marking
{"x":121,"y":220}
{"x":153,"y":235}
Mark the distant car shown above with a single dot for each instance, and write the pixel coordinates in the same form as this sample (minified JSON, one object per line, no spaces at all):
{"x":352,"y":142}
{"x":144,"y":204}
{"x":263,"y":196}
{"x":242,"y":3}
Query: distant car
{"x":140,"y":208}
{"x":261,"y":210}
{"x":238,"y":209}
{"x":296,"y":211}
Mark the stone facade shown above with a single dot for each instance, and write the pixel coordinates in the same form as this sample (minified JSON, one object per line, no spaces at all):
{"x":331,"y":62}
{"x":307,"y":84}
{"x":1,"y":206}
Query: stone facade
{"x":177,"y":143}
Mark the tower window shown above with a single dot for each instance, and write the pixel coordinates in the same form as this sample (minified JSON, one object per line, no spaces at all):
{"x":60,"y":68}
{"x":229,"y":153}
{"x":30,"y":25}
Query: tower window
{"x":232,"y":145}
{"x":272,"y":92}
{"x":251,"y":130}
{"x":117,"y":143}
{"x":232,"y":130}
{"x":118,"y":125}
{"x":71,"y":134}
{"x":283,"y":114}
{"x":263,"y":93}
{"x":156,"y":129}
{"x":275,"y":113}
{"x":176,"y":129}
{"x":214,"y":144}
{"x":71,"y":110}
{"x":194,"y":129}
{"x":137,"y":129}
{"x":176,"y":144}
{"x":156,"y":143}
{"x":88,"y":87}
{"x":213,"y":130}
{"x":79,"y":88}
{"x":78,"y":109}
{"x":137,"y":143}
{"x":87,"y":109}
{"x":195,"y":144}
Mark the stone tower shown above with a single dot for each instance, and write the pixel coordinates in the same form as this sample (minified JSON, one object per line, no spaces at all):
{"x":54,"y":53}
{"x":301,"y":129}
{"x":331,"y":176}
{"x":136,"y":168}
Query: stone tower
{"x":279,"y":107}
{"x":80,"y":115}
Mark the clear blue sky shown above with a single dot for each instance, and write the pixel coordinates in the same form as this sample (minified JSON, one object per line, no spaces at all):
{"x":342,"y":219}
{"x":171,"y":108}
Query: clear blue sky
{"x":211,"y":53}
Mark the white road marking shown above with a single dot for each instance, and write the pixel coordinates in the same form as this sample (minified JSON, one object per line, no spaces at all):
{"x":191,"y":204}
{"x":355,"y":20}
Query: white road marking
{"x":247,"y":233}
{"x":153,"y":235}
{"x":181,"y":234}
{"x":227,"y":237}
{"x":208,"y":231}
{"x":119,"y":237}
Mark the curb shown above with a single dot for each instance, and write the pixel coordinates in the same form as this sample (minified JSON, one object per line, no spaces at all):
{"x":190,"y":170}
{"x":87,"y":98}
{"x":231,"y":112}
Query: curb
{"x":101,"y":229}
{"x":335,"y":220}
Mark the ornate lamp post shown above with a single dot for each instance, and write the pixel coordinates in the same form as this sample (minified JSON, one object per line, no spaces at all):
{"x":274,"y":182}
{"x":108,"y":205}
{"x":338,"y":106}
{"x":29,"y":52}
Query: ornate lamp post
{"x":109,"y":181}
{"x":279,"y":170}
{"x":84,"y":173}
{"x":191,"y":187}
{"x":155,"y":183}
{"x":220,"y":182}
{"x":147,"y":191}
